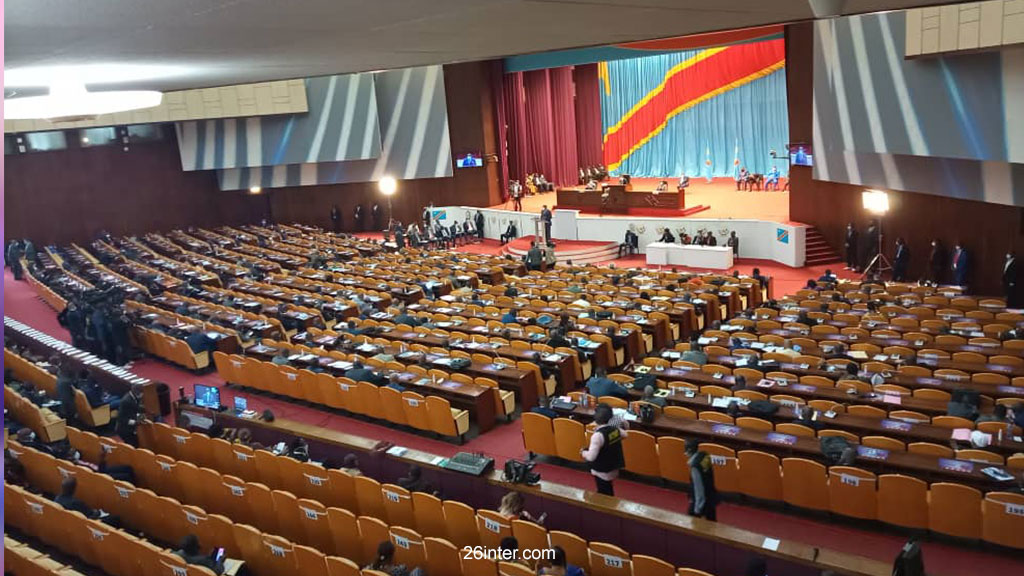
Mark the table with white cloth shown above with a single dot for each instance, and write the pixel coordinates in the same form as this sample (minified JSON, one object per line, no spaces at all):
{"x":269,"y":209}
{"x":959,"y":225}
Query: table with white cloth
{"x":711,"y":257}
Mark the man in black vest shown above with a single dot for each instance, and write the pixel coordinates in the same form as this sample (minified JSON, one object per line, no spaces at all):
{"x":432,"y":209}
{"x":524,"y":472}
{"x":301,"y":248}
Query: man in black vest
{"x":703,"y":496}
{"x":605,"y":451}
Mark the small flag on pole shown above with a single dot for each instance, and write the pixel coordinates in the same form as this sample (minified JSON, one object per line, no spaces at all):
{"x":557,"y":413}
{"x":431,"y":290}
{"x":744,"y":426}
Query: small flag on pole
{"x":707,"y":163}
{"x":736,"y":159}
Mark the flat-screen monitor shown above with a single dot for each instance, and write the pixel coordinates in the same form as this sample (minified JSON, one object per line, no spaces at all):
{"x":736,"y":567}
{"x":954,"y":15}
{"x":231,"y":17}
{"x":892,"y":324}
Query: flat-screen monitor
{"x":469,"y":160}
{"x":241,"y":404}
{"x":207,"y":396}
{"x":801,"y":154}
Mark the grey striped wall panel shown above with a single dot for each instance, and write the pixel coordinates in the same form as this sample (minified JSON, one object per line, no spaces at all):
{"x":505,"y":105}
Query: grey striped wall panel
{"x":952,"y":126}
{"x":341,"y":125}
{"x":414,"y":139}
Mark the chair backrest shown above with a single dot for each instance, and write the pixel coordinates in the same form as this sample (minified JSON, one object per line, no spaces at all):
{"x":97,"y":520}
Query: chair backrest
{"x":954,"y":510}
{"x":852,"y":492}
{"x":538,"y":434}
{"x":903,"y":501}
{"x":609,"y":560}
{"x":570,"y":438}
{"x":461,"y":524}
{"x":726,"y":467}
{"x":804,"y":484}
{"x":442,"y":556}
{"x":1001,"y":513}
{"x":398,"y":505}
{"x":760,"y":475}
{"x":641,"y":453}
{"x":576,"y":549}
{"x":415,"y":407}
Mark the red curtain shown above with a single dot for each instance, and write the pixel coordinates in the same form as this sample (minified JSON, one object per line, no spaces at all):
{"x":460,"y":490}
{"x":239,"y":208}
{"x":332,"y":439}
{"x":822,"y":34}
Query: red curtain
{"x":500,"y":111}
{"x":539,"y":124}
{"x":563,"y":117}
{"x":588,"y":115}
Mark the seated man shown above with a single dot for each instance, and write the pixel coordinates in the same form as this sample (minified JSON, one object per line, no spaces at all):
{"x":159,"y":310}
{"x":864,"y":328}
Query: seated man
{"x":543,"y":408}
{"x":191,"y":554}
{"x":667,"y":237}
{"x":684,"y":182}
{"x":651,"y":398}
{"x":772,"y":178}
{"x":360,"y":373}
{"x":510,"y":234}
{"x":601,"y":385}
{"x":67,"y":499}
{"x":199,"y":342}
{"x":662,"y":186}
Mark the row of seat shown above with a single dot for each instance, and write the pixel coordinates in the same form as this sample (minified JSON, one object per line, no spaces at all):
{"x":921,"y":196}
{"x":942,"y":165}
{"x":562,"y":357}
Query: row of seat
{"x":26,"y":371}
{"x":429,"y":414}
{"x":169,"y":348}
{"x":48,"y":426}
{"x":116,"y":552}
{"x":895,"y":499}
{"x":329,"y":530}
{"x":22,"y":559}
{"x":425,"y":513}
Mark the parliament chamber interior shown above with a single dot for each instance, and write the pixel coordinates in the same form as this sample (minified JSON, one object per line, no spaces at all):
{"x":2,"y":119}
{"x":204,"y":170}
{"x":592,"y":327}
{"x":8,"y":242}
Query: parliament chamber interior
{"x":490,"y":288}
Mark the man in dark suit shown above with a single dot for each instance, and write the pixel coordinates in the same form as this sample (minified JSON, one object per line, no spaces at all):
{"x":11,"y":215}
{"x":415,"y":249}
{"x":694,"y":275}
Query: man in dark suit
{"x":357,"y":217}
{"x":1012,"y":287}
{"x":937,"y":262}
{"x":479,"y":221}
{"x":375,"y":214}
{"x":360,"y":373}
{"x":959,"y":265}
{"x":871,"y":239}
{"x":336,"y":218}
{"x":850,"y":245}
{"x":601,"y":385}
{"x":67,"y":499}
{"x":129,"y":413}
{"x":545,"y":217}
{"x":733,"y":242}
{"x":511,"y":233}
{"x":400,"y":236}
{"x":534,"y":257}
{"x":667,"y":237}
{"x":900,"y":262}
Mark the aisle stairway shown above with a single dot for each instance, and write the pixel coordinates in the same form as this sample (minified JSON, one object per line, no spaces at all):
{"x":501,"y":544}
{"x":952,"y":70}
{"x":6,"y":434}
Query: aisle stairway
{"x":579,"y":252}
{"x":818,"y":251}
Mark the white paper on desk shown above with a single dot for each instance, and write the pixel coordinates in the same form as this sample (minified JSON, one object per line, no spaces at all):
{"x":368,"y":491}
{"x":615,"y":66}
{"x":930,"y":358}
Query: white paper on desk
{"x":703,"y":341}
{"x":770,"y":544}
{"x":397,"y":451}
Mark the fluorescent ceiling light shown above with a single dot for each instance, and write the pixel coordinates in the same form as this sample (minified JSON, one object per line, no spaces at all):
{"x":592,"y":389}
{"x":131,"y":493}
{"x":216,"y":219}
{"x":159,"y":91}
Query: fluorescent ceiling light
{"x":69,"y":101}
{"x":89,"y":74}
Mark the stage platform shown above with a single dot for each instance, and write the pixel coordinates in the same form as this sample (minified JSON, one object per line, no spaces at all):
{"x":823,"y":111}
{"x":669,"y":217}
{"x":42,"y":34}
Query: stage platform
{"x":720,"y":197}
{"x":578,"y":251}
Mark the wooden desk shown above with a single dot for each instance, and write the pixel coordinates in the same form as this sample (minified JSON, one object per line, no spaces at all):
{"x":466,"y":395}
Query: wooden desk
{"x":618,"y":200}
{"x":923,"y":466}
{"x":640,"y":529}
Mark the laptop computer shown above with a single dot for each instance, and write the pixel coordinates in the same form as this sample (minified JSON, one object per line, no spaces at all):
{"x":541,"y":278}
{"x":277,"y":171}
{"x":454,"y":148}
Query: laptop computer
{"x":241,"y":405}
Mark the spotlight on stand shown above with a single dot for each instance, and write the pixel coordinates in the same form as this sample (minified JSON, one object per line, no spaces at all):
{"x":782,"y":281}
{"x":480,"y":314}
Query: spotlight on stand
{"x":388,"y":186}
{"x":877,"y":202}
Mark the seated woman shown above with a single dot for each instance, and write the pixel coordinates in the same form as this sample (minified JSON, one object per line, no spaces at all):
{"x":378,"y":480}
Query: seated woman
{"x":513,"y":508}
{"x":385,"y":562}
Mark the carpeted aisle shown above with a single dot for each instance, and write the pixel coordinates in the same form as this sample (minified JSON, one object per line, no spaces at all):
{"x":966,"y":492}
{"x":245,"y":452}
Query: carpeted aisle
{"x":505,"y":441}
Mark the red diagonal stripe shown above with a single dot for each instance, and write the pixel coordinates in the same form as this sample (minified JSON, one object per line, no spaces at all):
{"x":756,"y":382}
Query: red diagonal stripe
{"x":730,"y":66}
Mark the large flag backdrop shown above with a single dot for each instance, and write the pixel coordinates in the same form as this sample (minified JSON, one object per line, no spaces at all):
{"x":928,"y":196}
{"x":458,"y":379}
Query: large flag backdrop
{"x":664,"y":114}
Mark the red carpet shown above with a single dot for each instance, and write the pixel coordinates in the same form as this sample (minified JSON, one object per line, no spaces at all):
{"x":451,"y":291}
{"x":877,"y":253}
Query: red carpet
{"x":650,"y":212}
{"x":505,"y":441}
{"x":523,"y":244}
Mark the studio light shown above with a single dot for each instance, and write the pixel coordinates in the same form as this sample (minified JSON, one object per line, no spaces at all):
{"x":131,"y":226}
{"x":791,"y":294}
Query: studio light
{"x":71,"y":101}
{"x":875,"y":201}
{"x":255,"y":189}
{"x":387,"y":185}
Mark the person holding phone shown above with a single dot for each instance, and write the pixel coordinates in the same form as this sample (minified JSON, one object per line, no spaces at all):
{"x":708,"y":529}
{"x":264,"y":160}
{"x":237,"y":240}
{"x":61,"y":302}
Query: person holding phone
{"x":190,"y":553}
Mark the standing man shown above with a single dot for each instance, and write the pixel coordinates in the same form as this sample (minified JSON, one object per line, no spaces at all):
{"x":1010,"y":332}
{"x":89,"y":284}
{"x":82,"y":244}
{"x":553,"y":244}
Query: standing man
{"x":336,"y":218}
{"x":357,"y":217}
{"x":900,"y":261}
{"x":605,"y":451}
{"x":1011,"y":282}
{"x":871,"y":242}
{"x":937,"y":262}
{"x":545,"y":217}
{"x":129,"y":414}
{"x":516,"y":191}
{"x":850,"y":245}
{"x":375,"y":215}
{"x":959,"y":265}
{"x":703,"y":497}
{"x":733,"y":242}
{"x":479,"y":224}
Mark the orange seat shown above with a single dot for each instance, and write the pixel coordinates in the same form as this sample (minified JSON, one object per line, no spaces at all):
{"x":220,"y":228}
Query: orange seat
{"x":672,"y":461}
{"x":726,"y":469}
{"x":760,"y":475}
{"x":804,"y":484}
{"x":641,"y":453}
{"x":609,"y":560}
{"x":903,"y":501}
{"x":538,"y":434}
{"x":852,"y":492}
{"x":570,"y":439}
{"x":1002,"y":516}
{"x":954,"y":510}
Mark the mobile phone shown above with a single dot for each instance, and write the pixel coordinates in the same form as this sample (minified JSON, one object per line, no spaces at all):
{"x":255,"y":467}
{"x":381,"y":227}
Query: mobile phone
{"x":218,"y":554}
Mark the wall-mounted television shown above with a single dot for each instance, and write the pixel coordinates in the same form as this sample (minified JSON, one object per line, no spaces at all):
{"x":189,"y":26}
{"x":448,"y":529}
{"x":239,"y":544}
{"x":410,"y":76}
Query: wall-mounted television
{"x":469,"y":160}
{"x":801,"y":154}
